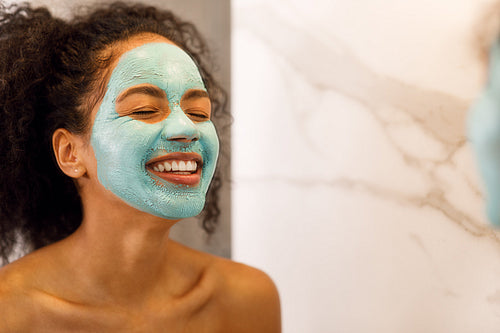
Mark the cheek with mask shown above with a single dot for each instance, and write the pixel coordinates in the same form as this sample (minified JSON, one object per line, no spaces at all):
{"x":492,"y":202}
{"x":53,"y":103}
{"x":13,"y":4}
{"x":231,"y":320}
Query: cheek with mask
{"x":157,"y":158}
{"x":484,"y":133}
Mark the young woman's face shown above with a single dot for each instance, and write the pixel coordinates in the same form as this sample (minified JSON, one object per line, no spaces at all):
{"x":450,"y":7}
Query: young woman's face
{"x":155,"y":145}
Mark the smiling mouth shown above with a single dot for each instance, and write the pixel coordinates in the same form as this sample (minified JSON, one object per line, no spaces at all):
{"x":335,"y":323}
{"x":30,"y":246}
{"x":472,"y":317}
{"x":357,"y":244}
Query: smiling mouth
{"x":178,"y":168}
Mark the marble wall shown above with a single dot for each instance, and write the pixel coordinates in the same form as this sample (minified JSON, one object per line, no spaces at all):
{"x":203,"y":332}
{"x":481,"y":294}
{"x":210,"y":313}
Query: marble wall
{"x":354,"y":186}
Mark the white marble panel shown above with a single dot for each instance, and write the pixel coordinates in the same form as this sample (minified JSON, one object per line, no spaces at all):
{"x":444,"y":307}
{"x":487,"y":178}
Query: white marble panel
{"x":354,"y":185}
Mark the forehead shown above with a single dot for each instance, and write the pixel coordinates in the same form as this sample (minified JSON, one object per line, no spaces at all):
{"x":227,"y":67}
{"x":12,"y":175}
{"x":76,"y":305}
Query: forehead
{"x":159,"y":63}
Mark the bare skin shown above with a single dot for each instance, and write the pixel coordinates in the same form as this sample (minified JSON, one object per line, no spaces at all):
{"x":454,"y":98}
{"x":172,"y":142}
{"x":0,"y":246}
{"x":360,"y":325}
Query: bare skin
{"x":120,"y":272}
{"x":43,"y":292}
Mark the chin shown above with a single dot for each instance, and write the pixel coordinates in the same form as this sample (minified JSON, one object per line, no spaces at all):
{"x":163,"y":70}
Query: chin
{"x":175,"y":208}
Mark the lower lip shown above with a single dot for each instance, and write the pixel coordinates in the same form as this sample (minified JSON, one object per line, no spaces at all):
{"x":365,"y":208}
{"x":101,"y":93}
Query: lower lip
{"x":192,"y":179}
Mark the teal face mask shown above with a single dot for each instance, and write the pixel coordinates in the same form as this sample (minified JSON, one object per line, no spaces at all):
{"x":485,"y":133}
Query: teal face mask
{"x":484,"y":133}
{"x":130,"y":153}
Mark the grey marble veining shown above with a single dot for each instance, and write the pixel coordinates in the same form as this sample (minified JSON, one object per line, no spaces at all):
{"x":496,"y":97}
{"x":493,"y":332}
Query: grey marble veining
{"x":364,"y":176}
{"x":437,"y":116}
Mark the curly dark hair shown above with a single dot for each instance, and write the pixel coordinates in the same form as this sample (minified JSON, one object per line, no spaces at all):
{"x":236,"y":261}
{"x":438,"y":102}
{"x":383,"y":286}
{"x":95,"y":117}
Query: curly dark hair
{"x":48,"y":69}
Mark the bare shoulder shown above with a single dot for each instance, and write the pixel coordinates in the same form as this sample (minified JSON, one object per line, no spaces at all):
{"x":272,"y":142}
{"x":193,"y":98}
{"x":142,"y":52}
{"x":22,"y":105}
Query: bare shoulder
{"x":16,"y":307}
{"x":242,"y":298}
{"x":249,"y":298}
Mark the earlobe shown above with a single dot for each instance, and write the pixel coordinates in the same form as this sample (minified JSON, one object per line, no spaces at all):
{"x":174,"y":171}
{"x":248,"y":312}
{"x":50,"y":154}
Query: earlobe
{"x":66,"y":150}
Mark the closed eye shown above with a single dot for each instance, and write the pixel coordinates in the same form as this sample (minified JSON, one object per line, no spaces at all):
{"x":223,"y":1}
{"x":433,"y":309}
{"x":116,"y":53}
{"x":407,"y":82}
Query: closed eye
{"x":198,"y":116}
{"x":196,"y":105}
{"x":145,"y":102}
{"x":144,"y":112}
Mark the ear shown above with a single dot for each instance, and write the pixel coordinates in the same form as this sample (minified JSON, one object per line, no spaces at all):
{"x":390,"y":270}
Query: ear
{"x":67,"y":149}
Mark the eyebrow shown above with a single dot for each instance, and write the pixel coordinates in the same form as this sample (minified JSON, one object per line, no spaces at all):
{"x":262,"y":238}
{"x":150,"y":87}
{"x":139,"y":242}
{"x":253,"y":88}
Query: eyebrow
{"x":145,"y":90}
{"x":195,"y":93}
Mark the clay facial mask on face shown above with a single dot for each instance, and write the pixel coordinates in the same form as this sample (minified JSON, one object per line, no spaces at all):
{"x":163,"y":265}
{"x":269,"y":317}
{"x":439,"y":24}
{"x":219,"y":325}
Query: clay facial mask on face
{"x":484,"y":134}
{"x":163,"y":165}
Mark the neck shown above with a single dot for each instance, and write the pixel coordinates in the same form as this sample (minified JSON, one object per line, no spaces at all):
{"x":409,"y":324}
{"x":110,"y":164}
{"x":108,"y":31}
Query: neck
{"x":122,"y":253}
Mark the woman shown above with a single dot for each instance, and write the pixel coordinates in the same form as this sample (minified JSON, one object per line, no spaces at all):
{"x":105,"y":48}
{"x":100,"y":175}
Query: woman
{"x":108,"y":141}
{"x":484,"y":134}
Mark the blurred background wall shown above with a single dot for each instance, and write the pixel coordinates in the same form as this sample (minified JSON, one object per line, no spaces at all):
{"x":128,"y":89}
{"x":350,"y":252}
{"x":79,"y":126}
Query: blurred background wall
{"x":353,"y":184}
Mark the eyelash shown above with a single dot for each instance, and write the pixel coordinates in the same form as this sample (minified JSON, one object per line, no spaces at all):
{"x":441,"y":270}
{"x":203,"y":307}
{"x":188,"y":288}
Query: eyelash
{"x":198,"y":115}
{"x":195,"y":116}
{"x":144,"y":112}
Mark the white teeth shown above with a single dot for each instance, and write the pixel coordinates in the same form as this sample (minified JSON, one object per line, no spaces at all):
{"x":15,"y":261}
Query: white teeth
{"x":186,"y":167}
{"x":191,"y":166}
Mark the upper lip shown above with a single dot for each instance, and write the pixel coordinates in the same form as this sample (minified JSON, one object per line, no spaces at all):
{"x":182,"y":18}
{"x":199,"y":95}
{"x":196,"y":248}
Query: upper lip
{"x":176,"y":156}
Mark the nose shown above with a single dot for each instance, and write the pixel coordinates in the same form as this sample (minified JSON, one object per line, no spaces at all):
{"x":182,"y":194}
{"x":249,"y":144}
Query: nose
{"x":178,"y":127}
